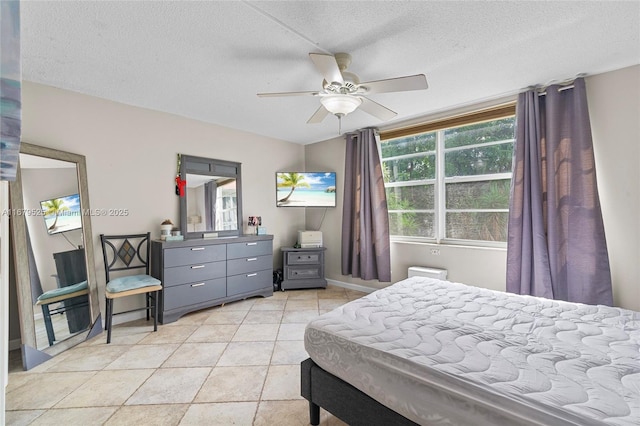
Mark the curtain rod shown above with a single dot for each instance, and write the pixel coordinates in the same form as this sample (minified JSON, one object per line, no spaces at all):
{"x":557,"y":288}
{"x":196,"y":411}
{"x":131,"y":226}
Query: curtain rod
{"x":566,"y":85}
{"x":376,"y":131}
{"x":560,"y":89}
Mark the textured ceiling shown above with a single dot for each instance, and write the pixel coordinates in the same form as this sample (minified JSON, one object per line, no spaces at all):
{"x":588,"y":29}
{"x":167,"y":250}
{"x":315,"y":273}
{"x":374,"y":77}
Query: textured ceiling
{"x":207,"y":60}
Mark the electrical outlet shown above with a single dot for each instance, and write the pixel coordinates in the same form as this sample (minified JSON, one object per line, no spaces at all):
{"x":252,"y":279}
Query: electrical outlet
{"x":435,"y":252}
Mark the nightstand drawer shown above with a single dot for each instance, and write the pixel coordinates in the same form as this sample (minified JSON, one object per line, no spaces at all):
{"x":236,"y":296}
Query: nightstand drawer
{"x":303,"y":258}
{"x":195,"y":272}
{"x":198,"y":292}
{"x":191,"y":255}
{"x":250,"y":249}
{"x":301,"y":273}
{"x":249,"y":264}
{"x":253,"y":281}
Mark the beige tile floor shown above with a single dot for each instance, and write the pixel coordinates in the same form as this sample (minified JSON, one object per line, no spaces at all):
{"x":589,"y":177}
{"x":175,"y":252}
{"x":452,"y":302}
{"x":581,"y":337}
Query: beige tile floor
{"x":238,"y":364}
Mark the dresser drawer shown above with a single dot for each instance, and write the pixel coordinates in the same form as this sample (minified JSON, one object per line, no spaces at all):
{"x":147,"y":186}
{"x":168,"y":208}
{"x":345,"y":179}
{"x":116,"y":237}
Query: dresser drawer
{"x":304,"y":258}
{"x":192,"y":255}
{"x":250,"y":249}
{"x":302,"y":273}
{"x":194,"y":272}
{"x":249,"y":264}
{"x":190,"y":294}
{"x":245,"y":283}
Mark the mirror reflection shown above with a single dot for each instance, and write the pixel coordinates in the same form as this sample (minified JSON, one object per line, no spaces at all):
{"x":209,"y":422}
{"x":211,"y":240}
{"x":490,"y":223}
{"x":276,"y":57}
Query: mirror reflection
{"x":52,"y":256}
{"x":55,"y":249}
{"x":211,"y":203}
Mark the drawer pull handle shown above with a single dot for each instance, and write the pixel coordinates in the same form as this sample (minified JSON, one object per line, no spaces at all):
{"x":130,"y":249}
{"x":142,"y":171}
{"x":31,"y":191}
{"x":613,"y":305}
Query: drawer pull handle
{"x":197,"y":248}
{"x":252,"y":244}
{"x":252,"y":275}
{"x":252,"y":259}
{"x":197,"y":285}
{"x":197,"y":267}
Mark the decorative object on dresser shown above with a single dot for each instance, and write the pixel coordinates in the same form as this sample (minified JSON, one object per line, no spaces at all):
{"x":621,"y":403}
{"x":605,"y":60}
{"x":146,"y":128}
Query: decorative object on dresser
{"x":165,"y":229}
{"x":200,"y":273}
{"x":128,"y":253}
{"x":303,"y":268}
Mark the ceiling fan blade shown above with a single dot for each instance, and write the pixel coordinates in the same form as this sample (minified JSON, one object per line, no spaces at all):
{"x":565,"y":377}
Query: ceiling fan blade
{"x":377,"y":110}
{"x":328,"y":67}
{"x":400,"y":84}
{"x":318,"y":116}
{"x":266,"y":95}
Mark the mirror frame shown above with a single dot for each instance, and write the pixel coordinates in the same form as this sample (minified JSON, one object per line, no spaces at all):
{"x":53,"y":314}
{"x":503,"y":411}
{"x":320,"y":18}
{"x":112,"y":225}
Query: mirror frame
{"x":187,"y":165}
{"x":31,"y":356}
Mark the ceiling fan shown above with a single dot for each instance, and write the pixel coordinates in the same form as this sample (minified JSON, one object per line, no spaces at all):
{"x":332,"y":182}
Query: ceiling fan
{"x":342,"y":92}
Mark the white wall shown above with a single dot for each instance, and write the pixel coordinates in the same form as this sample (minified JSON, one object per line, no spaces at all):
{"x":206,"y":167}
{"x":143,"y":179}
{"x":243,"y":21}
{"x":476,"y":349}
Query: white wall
{"x":614,"y":99}
{"x":131,"y":161}
{"x":614,"y":108}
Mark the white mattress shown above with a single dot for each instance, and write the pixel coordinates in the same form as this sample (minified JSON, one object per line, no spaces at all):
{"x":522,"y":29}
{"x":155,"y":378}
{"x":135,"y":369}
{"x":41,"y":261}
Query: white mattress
{"x":445,"y":353}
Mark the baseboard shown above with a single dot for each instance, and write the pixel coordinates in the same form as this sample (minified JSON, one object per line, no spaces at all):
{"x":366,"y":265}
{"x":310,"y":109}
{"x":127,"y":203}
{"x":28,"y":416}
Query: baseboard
{"x":350,"y":286}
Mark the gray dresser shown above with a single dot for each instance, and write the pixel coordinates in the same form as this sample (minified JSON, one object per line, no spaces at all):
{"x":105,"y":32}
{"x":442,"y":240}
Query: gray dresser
{"x":200,"y":273}
{"x":303,"y":268}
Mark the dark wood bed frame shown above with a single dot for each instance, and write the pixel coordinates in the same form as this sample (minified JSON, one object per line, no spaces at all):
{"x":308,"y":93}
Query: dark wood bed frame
{"x":322,"y":389}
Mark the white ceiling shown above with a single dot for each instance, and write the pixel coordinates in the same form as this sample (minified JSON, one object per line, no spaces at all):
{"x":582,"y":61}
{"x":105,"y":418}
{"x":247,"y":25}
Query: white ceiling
{"x":207,"y":60}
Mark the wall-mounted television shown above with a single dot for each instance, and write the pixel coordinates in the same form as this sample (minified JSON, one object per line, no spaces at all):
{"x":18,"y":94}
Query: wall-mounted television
{"x":306,"y":189}
{"x":62,"y":214}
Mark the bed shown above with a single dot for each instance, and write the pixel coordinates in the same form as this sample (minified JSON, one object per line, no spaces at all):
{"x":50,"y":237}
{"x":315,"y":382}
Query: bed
{"x":431,"y":352}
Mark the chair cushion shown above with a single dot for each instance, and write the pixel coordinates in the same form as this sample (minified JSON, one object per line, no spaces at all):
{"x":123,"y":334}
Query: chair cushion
{"x":131,"y":282}
{"x":63,"y":291}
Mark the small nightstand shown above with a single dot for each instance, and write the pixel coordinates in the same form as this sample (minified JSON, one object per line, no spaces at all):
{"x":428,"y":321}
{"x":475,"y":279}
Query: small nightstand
{"x":303,"y":268}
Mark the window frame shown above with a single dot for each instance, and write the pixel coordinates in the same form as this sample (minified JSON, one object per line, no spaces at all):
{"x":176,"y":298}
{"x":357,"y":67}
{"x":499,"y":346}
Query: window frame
{"x":440,"y":181}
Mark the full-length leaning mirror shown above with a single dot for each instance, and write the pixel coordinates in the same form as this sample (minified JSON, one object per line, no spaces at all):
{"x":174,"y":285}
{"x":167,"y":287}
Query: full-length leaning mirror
{"x":212,"y":201}
{"x":53,"y":253}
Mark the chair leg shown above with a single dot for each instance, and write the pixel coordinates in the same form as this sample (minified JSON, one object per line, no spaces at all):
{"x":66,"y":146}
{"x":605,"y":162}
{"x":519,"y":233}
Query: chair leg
{"x":51,"y":336}
{"x":155,"y":311}
{"x":109,"y":319}
{"x":148,"y":297}
{"x":106,"y":313}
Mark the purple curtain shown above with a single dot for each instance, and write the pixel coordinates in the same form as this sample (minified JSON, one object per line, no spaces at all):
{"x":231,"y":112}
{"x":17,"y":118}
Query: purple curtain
{"x":365,"y":218}
{"x":210,"y":193}
{"x":556,"y":243}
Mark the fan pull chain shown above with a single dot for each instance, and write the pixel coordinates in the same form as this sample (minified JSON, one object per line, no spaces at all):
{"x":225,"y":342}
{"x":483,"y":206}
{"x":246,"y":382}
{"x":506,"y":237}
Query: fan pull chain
{"x":339,"y":124}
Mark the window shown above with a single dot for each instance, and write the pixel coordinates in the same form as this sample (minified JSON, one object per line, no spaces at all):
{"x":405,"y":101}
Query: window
{"x":449,"y":181}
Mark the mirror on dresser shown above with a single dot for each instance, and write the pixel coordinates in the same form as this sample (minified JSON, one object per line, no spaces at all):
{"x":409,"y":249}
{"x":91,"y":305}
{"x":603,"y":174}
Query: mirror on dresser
{"x":212,"y":201}
{"x":53,"y":253}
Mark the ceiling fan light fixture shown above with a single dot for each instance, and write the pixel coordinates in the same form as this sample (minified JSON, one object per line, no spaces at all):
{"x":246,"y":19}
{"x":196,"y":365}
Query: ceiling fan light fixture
{"x":340,"y":105}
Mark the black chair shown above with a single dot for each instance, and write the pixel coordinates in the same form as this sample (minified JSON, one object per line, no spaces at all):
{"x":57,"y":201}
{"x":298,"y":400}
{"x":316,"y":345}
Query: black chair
{"x":129,"y":253}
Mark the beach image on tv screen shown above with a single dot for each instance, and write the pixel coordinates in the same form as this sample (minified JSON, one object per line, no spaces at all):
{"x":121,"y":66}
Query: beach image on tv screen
{"x":306,"y":189}
{"x":62,"y":214}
